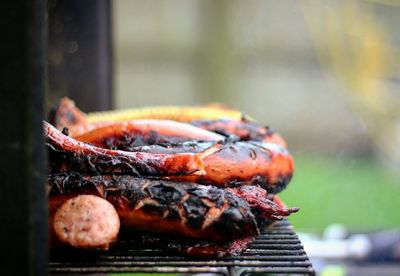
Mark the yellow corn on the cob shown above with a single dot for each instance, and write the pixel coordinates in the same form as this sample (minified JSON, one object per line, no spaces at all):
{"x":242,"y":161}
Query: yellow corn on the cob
{"x":177,"y":113}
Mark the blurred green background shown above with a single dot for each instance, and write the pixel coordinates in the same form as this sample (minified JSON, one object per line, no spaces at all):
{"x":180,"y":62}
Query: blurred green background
{"x":324,"y":74}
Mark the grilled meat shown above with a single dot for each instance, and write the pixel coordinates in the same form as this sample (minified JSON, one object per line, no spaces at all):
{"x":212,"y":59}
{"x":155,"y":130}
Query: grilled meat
{"x":180,"y":209}
{"x":231,"y":164}
{"x":186,"y":246}
{"x":123,"y":135}
{"x":244,"y":129}
{"x":67,"y":154}
{"x":221,"y":164}
{"x":85,"y":221}
{"x":209,"y":183}
{"x":245,"y":163}
{"x":66,"y":115}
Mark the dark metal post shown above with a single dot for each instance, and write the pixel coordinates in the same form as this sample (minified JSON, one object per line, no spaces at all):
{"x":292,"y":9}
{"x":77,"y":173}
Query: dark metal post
{"x":23,"y":231}
{"x":80,"y":61}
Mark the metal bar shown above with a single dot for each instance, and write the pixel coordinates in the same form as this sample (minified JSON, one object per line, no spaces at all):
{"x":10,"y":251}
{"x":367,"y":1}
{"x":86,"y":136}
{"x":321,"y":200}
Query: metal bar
{"x":277,"y":246}
{"x":263,"y":256}
{"x":243,"y":263}
{"x":23,"y":233}
{"x":181,"y":258}
{"x":278,"y":270}
{"x":100,"y":269}
{"x":80,"y":53}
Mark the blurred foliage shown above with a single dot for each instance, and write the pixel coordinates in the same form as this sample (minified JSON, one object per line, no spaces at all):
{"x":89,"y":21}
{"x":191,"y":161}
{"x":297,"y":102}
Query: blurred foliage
{"x":359,"y":42}
{"x":359,"y":194}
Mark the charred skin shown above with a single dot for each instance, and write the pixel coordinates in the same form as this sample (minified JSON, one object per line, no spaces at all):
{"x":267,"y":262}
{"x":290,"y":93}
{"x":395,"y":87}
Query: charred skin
{"x":134,"y":133}
{"x":244,"y":129}
{"x":235,"y":164}
{"x":232,"y":248}
{"x":67,"y":154}
{"x":66,"y":115}
{"x":179,"y":209}
{"x":231,"y":164}
{"x":266,"y":163}
{"x":190,"y":247}
{"x":265,"y":210}
{"x":221,"y":164}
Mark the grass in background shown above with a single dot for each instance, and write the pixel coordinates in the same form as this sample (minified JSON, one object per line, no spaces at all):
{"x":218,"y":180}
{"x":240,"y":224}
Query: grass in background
{"x":359,"y":194}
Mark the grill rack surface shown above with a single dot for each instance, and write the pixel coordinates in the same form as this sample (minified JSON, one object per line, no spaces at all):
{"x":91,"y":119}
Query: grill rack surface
{"x":276,"y":250}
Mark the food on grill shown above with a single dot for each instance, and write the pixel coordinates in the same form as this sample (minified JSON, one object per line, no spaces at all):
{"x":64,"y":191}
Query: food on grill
{"x":220,"y":164}
{"x":192,"y":247}
{"x":66,"y":114}
{"x":67,"y":154}
{"x":86,"y":221}
{"x":245,"y":163}
{"x":145,"y":132}
{"x":181,"y":208}
{"x":244,"y":129}
{"x":210,"y":183}
{"x":209,"y":249}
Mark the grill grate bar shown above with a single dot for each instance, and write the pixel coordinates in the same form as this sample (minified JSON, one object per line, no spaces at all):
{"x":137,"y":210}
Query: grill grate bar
{"x":276,"y":250}
{"x":106,"y":269}
{"x":177,"y":259}
{"x":273,"y":252}
{"x":276,"y":246}
{"x":276,"y":237}
{"x":287,"y":270}
{"x":198,"y":264}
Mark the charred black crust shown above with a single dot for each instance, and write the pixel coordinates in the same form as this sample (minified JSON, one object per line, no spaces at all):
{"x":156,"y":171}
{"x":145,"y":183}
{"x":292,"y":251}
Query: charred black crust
{"x":64,"y":161}
{"x":187,"y":246}
{"x":195,"y":211}
{"x":164,"y":194}
{"x":135,"y":142}
{"x":279,"y":185}
{"x":186,"y":202}
{"x":249,"y":130}
{"x":172,"y":147}
{"x":153,"y":209}
{"x":231,"y":219}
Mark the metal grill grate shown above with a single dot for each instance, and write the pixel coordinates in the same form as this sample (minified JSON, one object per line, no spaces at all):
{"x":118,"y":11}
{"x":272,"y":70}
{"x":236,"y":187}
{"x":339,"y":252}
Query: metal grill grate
{"x":276,"y":250}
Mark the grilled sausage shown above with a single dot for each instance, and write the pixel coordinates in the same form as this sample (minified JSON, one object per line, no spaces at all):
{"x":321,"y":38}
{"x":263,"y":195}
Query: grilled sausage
{"x":246,"y":163}
{"x":231,"y":164}
{"x":180,"y":209}
{"x":220,"y":164}
{"x":66,"y":115}
{"x":244,"y":129}
{"x":86,"y":221}
{"x":133,"y":133}
{"x":67,"y":154}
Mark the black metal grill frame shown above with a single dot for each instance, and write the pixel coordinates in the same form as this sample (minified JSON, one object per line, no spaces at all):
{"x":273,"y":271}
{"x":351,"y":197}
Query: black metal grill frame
{"x":276,"y":250}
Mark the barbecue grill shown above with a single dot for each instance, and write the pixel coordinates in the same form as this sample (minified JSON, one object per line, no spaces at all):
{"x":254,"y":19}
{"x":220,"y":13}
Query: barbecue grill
{"x":22,"y":168}
{"x":276,"y":250}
